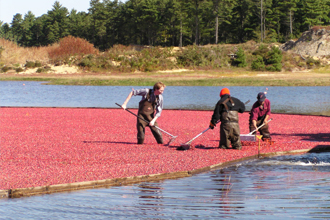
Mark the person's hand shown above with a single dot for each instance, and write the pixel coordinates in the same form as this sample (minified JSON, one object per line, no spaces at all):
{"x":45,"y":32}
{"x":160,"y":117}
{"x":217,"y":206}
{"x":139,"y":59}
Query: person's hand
{"x":212,"y":125}
{"x":152,"y":122}
{"x":123,"y":106}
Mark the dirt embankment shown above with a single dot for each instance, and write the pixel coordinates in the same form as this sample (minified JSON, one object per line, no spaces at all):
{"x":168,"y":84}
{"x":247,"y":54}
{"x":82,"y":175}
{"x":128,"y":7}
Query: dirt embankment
{"x":314,"y":43}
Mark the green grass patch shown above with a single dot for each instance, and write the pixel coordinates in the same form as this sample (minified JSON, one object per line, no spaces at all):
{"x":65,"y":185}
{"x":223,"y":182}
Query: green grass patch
{"x":228,"y":77}
{"x":150,"y":81}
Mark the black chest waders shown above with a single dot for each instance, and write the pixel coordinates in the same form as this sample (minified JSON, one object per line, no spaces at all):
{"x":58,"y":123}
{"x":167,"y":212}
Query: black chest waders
{"x":229,"y":128}
{"x":146,"y":111}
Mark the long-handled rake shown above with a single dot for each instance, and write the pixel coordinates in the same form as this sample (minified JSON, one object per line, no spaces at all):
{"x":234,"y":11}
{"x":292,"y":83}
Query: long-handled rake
{"x":250,"y":136}
{"x":186,"y":146}
{"x":170,"y":141}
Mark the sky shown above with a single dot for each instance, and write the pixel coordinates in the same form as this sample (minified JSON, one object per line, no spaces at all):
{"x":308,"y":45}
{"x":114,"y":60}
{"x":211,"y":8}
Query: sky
{"x":8,"y":8}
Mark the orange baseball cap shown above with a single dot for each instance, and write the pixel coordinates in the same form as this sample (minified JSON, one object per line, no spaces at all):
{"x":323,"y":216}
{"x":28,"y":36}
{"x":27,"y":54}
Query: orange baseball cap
{"x":224,"y":91}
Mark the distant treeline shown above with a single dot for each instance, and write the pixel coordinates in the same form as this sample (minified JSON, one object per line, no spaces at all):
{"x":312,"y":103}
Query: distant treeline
{"x":170,"y":22}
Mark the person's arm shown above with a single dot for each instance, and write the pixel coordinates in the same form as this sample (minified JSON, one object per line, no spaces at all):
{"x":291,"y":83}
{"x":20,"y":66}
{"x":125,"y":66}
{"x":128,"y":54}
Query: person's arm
{"x":254,"y":115}
{"x":267,"y":113}
{"x":152,"y":122}
{"x":266,"y":120}
{"x":254,"y":122}
{"x":127,"y":99}
{"x":159,"y":109}
{"x":216,"y":115}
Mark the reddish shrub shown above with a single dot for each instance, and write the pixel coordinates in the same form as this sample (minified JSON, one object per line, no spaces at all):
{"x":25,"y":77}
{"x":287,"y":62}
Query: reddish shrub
{"x":316,"y":28}
{"x":71,"y":46}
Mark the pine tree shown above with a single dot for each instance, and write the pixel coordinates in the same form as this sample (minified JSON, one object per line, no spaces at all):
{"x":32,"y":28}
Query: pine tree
{"x":240,"y":60}
{"x":17,"y":27}
{"x":27,"y":25}
{"x":57,"y":25}
{"x":98,"y":15}
{"x":288,"y":9}
{"x":223,"y":17}
{"x":315,"y":12}
{"x":39,"y":37}
{"x":240,"y":25}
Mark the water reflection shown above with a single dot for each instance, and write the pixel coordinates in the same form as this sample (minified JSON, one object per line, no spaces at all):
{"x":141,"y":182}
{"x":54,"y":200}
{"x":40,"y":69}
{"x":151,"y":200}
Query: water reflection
{"x":273,"y":188}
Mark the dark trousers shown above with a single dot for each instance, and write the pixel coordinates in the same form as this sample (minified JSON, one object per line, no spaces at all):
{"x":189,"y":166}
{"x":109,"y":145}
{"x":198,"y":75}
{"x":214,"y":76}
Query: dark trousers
{"x":141,"y":125}
{"x":264,"y":130}
{"x":230,"y":134}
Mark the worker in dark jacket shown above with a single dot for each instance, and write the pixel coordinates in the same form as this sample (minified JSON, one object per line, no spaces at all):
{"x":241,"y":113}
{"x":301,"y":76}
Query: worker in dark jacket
{"x":151,"y":102}
{"x":227,"y":110}
{"x":260,"y":113}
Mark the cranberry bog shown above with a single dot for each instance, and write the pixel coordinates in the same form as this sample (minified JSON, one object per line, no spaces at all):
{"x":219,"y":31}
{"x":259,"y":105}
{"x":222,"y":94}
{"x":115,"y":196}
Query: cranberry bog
{"x":46,"y":150}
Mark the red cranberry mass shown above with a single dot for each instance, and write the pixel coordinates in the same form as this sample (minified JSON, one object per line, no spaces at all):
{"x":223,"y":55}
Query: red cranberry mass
{"x":47,"y":146}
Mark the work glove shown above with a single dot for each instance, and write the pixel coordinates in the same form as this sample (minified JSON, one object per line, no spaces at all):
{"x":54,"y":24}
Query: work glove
{"x":211,"y":125}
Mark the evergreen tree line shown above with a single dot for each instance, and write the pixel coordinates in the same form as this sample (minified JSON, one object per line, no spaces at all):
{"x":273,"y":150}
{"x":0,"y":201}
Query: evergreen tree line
{"x":170,"y":22}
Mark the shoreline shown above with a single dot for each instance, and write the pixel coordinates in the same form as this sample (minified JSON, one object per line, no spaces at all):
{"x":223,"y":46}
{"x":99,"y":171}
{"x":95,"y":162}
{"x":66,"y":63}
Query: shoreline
{"x":48,"y":150}
{"x":221,"y":77}
{"x":59,"y":188}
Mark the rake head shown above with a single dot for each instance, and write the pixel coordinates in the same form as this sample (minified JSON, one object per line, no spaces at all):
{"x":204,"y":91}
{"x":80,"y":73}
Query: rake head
{"x":185,"y":146}
{"x":247,"y":137}
{"x":171,"y":140}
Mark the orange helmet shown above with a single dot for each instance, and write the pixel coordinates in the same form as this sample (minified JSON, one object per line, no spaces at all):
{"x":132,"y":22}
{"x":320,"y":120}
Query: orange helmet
{"x":224,"y":91}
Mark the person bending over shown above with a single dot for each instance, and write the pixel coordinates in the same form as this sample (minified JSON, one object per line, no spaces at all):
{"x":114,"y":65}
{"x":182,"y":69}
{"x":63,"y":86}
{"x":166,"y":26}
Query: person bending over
{"x":259,"y":114}
{"x":151,"y":102}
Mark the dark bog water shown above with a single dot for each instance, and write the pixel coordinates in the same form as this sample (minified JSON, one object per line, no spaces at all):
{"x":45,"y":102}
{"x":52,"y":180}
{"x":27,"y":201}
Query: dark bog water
{"x":285,"y":187}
